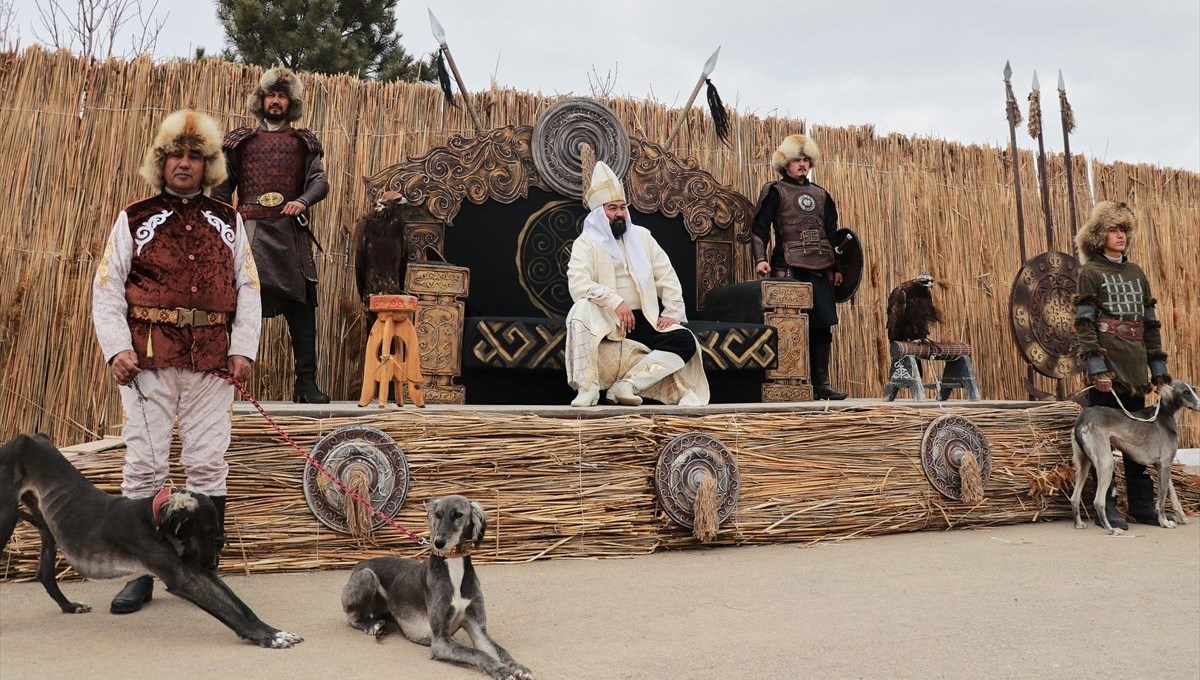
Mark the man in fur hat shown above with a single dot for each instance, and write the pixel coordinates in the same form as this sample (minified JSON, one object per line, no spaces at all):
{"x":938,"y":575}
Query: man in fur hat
{"x":804,"y":218}
{"x":278,"y":174}
{"x":176,"y":297}
{"x":1119,"y":336}
{"x":617,"y":275}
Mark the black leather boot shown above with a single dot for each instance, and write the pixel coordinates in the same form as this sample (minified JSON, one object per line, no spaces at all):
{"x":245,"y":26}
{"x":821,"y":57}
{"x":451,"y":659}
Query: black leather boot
{"x":818,"y":357}
{"x":1115,"y":519}
{"x":1143,"y":506}
{"x":302,"y":324}
{"x":136,"y":593}
{"x":219,"y":538}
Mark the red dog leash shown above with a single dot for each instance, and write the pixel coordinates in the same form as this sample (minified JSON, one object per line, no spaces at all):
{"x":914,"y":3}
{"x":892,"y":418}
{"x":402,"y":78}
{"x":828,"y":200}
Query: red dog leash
{"x":224,"y":375}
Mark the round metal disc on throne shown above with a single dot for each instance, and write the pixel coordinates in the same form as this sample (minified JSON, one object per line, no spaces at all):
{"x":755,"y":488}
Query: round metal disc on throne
{"x":946,"y":441}
{"x":1042,"y":313}
{"x":680,"y":468}
{"x":559,"y":135}
{"x":348,"y":451}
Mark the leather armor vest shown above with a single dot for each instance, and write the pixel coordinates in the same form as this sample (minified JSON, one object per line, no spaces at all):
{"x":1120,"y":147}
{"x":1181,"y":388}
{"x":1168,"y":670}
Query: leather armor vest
{"x":800,"y":221}
{"x":271,"y":162}
{"x":182,"y":257}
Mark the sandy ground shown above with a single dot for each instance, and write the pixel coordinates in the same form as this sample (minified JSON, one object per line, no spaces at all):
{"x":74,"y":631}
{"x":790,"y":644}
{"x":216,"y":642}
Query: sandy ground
{"x":1030,"y":601}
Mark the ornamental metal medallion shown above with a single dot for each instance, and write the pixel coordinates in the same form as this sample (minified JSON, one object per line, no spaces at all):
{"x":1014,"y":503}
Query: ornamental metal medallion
{"x":351,"y":450}
{"x":681,"y":466}
{"x":946,"y":441}
{"x":1042,"y":312}
{"x":559,"y":136}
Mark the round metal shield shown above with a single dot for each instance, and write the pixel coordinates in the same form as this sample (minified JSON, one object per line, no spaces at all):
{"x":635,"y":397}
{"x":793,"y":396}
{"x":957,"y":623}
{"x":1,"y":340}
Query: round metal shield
{"x":559,"y":135}
{"x":946,"y":441}
{"x":680,"y":468}
{"x":350,"y":449}
{"x":1042,"y":313}
{"x":847,"y":249}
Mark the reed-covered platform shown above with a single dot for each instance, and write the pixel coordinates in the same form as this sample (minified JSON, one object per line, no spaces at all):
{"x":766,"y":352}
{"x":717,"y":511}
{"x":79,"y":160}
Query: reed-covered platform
{"x":558,"y":482}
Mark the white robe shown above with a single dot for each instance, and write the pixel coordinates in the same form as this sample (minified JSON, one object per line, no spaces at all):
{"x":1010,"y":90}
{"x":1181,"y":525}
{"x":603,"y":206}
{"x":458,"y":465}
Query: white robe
{"x":592,"y":282}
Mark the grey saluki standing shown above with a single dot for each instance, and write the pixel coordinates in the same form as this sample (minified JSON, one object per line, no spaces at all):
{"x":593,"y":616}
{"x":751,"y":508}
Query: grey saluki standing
{"x":433,"y":599}
{"x":1099,"y":429}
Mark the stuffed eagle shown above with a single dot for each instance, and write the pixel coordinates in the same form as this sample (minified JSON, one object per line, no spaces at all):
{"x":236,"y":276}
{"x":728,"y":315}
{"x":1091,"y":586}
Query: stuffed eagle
{"x":380,"y":249}
{"x":910,"y":310}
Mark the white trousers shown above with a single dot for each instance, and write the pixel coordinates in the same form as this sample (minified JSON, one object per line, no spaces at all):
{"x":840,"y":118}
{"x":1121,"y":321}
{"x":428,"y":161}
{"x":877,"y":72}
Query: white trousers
{"x":200,"y":403}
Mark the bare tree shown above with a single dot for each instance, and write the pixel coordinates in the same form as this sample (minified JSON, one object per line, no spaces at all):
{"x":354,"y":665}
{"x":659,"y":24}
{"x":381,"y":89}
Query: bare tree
{"x":603,"y":86}
{"x":8,"y":20}
{"x":93,"y":27}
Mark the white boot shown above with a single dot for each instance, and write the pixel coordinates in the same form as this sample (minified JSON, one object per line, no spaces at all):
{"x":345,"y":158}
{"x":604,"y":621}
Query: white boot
{"x":649,"y":371}
{"x":587,"y":396}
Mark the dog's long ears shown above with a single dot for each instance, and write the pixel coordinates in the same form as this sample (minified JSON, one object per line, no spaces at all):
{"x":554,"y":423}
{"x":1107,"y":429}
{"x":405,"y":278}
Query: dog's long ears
{"x":478,"y":522}
{"x":178,"y":509}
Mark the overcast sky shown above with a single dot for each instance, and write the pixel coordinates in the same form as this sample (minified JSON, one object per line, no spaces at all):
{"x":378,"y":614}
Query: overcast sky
{"x":933,"y":68}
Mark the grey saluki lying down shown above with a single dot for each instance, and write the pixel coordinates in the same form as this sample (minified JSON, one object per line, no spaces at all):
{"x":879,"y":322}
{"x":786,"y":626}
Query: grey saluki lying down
{"x":433,"y":599}
{"x":1099,"y":429}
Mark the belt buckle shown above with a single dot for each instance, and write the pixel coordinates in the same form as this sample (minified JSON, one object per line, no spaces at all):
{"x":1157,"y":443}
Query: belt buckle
{"x":190,"y":317}
{"x":270,"y":199}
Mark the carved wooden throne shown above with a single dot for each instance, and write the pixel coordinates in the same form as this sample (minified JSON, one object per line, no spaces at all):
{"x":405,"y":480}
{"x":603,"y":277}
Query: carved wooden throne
{"x":504,"y":208}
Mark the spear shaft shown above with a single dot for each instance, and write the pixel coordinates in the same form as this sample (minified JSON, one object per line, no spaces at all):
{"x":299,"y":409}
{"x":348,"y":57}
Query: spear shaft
{"x":1035,"y":129}
{"x":704,"y":73}
{"x":1014,"y":118}
{"x":1068,"y":124}
{"x":462,"y":89}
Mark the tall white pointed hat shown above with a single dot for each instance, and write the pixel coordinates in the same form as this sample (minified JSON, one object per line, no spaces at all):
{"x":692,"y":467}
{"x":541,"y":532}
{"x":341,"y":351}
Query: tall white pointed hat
{"x":604,"y":188}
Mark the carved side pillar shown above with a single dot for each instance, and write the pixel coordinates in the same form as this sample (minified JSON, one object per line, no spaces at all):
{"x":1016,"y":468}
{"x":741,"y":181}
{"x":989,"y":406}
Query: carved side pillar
{"x":423,"y":231}
{"x":714,"y":267}
{"x":440,"y":289}
{"x":783,"y":304}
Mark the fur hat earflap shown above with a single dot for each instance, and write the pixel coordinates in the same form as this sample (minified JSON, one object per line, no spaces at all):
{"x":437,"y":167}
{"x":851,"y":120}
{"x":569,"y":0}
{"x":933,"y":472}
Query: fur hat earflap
{"x":182,"y":130}
{"x":1107,"y":215}
{"x":793,"y":147}
{"x":278,"y":79}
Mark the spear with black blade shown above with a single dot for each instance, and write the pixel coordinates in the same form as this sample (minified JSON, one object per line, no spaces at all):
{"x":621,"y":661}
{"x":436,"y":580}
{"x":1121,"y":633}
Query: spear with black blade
{"x":1035,"y":131}
{"x":444,"y":49}
{"x":716,"y":107}
{"x":1068,"y":126}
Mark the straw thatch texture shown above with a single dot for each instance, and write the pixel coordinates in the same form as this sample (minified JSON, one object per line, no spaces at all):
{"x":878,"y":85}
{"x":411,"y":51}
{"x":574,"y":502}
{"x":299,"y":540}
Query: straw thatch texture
{"x":574,"y":488}
{"x":918,"y":203}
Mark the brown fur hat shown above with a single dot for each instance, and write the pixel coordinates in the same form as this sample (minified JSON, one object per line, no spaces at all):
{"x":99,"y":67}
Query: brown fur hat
{"x":185,"y":129}
{"x":1089,"y":241}
{"x":793,"y":147}
{"x":278,"y":79}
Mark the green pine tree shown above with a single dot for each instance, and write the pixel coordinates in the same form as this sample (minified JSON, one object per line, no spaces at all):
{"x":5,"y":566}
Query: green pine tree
{"x":358,"y":37}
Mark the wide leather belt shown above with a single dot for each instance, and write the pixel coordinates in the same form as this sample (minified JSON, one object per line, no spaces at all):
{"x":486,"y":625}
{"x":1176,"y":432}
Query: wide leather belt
{"x":179,"y":316}
{"x":1126,"y":330}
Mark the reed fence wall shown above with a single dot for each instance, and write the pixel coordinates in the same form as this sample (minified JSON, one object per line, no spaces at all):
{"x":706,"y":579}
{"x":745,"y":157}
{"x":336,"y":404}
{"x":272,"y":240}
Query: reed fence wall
{"x":72,"y":134}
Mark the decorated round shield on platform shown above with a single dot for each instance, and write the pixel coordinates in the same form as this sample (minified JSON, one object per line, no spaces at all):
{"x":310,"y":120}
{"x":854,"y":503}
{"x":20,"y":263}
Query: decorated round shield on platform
{"x":559,"y":136}
{"x":683,"y":464}
{"x":1042,"y":312}
{"x":352,"y":453}
{"x":848,"y":251}
{"x":947,"y":440}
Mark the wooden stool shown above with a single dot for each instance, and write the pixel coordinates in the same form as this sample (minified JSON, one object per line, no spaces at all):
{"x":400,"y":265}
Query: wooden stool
{"x":959,"y":372}
{"x":382,"y":367}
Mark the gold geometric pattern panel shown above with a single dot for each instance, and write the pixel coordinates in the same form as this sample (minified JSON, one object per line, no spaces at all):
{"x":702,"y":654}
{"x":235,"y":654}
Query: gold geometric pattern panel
{"x":507,"y":344}
{"x":737,"y":348}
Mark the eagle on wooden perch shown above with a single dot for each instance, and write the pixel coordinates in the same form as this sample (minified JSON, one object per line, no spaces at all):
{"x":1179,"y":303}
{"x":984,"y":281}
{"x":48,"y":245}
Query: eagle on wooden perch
{"x":380,"y":248}
{"x":910,"y":310}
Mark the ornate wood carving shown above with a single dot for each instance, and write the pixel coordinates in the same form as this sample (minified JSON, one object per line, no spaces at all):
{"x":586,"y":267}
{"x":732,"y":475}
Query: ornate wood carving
{"x":714,"y":267}
{"x":495,"y":166}
{"x":660,"y":182}
{"x":439,"y":322}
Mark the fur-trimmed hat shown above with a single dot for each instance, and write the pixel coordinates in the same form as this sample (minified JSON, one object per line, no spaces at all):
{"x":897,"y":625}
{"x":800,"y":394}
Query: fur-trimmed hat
{"x":278,"y":79}
{"x":793,"y":147}
{"x":182,"y":130}
{"x":1089,"y":241}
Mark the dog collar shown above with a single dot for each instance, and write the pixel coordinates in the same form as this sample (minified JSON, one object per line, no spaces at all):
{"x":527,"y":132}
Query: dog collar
{"x":160,"y":499}
{"x":461,"y":550}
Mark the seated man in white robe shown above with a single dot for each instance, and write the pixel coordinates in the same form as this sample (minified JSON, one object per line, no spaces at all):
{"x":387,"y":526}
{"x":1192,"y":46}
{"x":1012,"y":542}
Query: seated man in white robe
{"x":618,"y":338}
